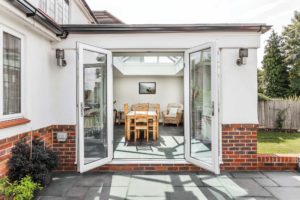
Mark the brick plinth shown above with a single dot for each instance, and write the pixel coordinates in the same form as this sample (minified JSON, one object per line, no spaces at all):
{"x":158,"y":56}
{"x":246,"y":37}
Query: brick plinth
{"x":66,"y":150}
{"x":149,"y":167}
{"x":239,"y":147}
{"x":239,"y":150}
{"x":8,"y":143}
{"x":277,"y":162}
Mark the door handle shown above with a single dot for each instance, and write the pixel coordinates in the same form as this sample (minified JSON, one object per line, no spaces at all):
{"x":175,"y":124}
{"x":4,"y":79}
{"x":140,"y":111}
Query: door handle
{"x":212,"y":108}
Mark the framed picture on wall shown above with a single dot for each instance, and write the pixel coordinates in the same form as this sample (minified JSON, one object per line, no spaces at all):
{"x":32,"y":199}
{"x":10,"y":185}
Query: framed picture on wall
{"x":147,"y":87}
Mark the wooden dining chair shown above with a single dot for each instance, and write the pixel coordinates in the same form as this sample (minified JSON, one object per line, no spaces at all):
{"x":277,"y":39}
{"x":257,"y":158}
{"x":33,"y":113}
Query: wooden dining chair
{"x":141,"y":122}
{"x":126,"y":110}
{"x":153,"y":125}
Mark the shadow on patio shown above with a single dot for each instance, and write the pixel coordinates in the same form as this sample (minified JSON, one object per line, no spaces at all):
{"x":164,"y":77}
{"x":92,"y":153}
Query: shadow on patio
{"x":183,"y":186}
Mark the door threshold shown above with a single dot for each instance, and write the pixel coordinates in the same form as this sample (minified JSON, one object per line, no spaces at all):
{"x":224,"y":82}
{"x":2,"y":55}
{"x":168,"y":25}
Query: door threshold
{"x":117,"y":161}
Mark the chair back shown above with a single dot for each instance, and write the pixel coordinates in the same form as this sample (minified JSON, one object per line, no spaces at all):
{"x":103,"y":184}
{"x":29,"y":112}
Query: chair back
{"x":126,"y":109}
{"x":140,"y":107}
{"x":175,"y":105}
{"x":141,"y":119}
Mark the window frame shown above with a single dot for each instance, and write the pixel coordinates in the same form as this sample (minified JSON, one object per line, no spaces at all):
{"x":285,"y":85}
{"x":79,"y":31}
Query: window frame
{"x":21,"y":37}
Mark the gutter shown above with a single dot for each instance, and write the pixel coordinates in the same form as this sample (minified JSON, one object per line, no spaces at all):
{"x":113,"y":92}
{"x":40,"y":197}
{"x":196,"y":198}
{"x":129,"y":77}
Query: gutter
{"x":39,"y":16}
{"x":163,"y":28}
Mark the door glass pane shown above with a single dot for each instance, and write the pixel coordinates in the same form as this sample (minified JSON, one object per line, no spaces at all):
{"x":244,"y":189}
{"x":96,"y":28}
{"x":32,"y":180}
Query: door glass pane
{"x":95,"y":121}
{"x":200,"y":104}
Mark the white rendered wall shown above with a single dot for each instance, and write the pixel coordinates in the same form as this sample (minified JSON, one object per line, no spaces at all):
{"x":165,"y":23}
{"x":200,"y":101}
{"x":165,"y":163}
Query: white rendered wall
{"x":238,"y":97}
{"x":169,"y":89}
{"x":76,"y":14}
{"x":40,"y":74}
{"x":238,"y":88}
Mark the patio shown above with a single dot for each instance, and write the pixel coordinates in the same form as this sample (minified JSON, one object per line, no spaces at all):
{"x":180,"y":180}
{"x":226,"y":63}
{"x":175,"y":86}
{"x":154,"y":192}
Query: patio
{"x":126,"y":185}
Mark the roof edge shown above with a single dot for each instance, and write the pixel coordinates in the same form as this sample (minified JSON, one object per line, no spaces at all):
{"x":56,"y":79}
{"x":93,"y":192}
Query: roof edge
{"x":164,"y":28}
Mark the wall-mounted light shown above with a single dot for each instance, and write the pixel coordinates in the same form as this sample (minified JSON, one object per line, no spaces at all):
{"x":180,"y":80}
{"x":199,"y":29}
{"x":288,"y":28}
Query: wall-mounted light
{"x":243,"y":53}
{"x":60,"y":57}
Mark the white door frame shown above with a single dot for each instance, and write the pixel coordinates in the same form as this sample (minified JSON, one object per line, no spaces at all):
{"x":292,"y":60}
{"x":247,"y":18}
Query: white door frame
{"x":80,"y":97}
{"x":214,"y":167}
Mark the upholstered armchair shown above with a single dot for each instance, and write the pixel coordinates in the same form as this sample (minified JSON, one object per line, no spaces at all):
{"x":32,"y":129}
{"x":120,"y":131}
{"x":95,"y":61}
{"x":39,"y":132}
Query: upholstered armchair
{"x":173,"y":114}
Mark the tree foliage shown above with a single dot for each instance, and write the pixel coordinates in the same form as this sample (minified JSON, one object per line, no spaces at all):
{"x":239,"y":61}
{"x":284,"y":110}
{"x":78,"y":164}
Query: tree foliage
{"x":276,"y":77}
{"x":291,"y":36}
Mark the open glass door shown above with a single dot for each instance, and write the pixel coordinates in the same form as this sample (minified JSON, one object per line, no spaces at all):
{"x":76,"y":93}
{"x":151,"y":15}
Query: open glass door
{"x":95,"y":120}
{"x":201,"y":107}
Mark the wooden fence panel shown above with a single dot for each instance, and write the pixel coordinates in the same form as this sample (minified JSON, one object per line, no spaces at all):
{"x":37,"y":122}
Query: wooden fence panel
{"x":268,"y":111}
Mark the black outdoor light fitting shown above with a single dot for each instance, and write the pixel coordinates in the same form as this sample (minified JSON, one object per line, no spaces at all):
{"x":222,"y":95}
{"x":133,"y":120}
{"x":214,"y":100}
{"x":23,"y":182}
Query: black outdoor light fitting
{"x":243,"y":53}
{"x":60,"y":57}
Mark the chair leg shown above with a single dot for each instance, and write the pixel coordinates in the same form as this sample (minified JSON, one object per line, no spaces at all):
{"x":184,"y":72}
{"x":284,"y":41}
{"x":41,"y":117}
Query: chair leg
{"x":147,"y":135}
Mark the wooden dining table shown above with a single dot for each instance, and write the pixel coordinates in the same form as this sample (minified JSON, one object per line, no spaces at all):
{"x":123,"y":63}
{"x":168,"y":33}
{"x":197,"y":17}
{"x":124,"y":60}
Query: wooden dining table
{"x":131,"y":116}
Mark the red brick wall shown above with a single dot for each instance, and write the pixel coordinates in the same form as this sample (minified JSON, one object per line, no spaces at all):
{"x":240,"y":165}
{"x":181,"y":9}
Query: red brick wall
{"x":277,"y":162}
{"x":8,"y":143}
{"x":239,"y":147}
{"x":66,"y":150}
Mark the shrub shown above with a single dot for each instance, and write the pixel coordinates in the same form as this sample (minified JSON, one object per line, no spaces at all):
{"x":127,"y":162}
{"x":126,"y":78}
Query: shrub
{"x":19,"y":164}
{"x":37,"y":161}
{"x":19,"y":190}
{"x":280,"y":118}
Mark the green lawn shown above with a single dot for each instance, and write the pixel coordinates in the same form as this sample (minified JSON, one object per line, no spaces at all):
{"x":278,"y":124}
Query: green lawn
{"x":278,"y":143}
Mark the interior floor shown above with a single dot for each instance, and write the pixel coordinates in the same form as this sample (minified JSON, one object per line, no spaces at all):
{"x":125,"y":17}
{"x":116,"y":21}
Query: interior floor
{"x":170,"y":144}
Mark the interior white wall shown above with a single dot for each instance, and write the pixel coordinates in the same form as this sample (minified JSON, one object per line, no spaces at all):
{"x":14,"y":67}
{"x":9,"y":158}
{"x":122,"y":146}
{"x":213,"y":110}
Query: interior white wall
{"x":169,"y":89}
{"x":40,"y":74}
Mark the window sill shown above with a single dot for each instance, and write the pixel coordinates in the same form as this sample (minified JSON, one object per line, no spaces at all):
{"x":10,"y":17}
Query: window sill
{"x":13,"y":122}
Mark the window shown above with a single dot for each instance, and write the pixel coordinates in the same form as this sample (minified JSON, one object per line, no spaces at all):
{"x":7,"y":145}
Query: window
{"x":51,"y":8}
{"x":10,"y":74}
{"x":42,"y":5}
{"x":66,"y":12}
{"x":58,"y":10}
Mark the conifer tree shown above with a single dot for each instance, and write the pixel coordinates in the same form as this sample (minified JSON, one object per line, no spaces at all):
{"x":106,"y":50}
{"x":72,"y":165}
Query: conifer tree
{"x":291,"y":36}
{"x":276,"y":77}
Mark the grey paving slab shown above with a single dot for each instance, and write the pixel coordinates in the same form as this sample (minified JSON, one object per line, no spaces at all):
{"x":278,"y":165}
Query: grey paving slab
{"x":285,"y":193}
{"x":77,"y":192}
{"x":94,"y":179}
{"x":186,"y":193}
{"x":210,"y":180}
{"x":265,"y":182}
{"x":120,"y":180}
{"x":149,"y":185}
{"x":240,"y":187}
{"x":60,"y":185}
{"x":51,"y":198}
{"x":288,"y":179}
{"x":180,"y":180}
{"x":106,"y":193}
{"x":256,"y":198}
{"x":248,"y":175}
{"x":173,"y":186}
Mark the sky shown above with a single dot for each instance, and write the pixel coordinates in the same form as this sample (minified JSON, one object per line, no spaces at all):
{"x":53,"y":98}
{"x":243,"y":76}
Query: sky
{"x":277,"y":13}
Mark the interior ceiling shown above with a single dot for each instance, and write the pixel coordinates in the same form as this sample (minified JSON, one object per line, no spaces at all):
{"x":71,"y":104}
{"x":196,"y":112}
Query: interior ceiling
{"x":148,"y":64}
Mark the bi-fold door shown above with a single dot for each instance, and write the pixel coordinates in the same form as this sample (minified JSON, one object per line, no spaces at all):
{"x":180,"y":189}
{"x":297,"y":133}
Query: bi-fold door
{"x":95,"y":107}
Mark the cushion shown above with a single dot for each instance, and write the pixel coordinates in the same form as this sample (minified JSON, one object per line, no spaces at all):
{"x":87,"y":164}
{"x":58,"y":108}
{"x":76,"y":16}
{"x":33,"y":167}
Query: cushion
{"x":173,"y":112}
